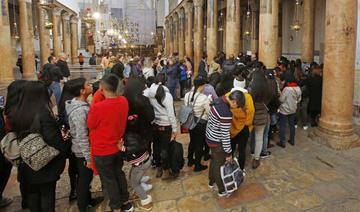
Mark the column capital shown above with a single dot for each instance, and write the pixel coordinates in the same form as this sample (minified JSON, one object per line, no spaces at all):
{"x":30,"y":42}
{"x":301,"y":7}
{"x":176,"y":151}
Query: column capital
{"x":181,"y":13}
{"x":66,"y":16}
{"x":198,"y":3}
{"x":175,"y":16}
{"x":188,"y":6}
{"x":57,"y":11}
{"x":74,"y":19}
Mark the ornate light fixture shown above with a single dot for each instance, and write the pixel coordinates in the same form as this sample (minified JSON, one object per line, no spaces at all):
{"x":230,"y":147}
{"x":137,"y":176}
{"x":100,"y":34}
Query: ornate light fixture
{"x":15,"y":33}
{"x":220,"y":22}
{"x":248,"y":21}
{"x":296,"y":26}
{"x":45,"y":4}
{"x":48,"y":24}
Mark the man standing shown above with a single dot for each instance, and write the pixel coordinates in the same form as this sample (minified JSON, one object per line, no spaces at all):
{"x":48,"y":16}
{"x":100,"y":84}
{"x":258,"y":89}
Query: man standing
{"x":54,"y":76}
{"x":62,"y":64}
{"x":92,"y":62}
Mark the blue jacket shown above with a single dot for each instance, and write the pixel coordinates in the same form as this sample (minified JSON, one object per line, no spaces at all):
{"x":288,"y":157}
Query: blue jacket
{"x":183,"y":74}
{"x":172,"y":73}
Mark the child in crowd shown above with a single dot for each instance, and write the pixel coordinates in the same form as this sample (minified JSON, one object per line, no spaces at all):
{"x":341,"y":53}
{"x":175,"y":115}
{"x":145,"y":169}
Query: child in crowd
{"x":107,"y":121}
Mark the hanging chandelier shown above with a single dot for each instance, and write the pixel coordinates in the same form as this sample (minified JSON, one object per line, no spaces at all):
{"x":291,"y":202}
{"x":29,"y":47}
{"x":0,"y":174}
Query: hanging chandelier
{"x":248,"y":21}
{"x":296,"y":26}
{"x":46,"y":4}
{"x":15,"y":33}
{"x":48,"y":24}
{"x":220,"y":22}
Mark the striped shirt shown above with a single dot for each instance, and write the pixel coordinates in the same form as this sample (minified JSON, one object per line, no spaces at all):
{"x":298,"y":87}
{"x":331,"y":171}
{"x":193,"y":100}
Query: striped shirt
{"x":218,"y":126}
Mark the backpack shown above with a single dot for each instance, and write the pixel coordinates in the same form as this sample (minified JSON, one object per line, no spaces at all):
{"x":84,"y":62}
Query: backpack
{"x":176,"y":156}
{"x":186,"y":115}
{"x":43,"y":76}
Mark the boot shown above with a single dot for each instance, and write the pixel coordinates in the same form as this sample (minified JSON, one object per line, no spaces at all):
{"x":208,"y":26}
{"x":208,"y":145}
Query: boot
{"x":159,"y":172}
{"x":281,"y":144}
{"x":73,"y":195}
{"x":146,"y":204}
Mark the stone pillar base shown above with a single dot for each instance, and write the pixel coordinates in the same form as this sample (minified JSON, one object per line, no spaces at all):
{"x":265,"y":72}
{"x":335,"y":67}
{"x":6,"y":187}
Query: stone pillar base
{"x":337,"y":142}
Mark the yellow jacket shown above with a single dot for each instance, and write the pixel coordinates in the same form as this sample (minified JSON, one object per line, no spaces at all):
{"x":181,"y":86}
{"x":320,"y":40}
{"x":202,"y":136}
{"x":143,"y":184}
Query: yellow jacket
{"x":242,"y":117}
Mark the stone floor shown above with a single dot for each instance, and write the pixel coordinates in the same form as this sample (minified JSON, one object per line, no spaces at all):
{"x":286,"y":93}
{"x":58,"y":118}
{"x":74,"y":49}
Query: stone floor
{"x":305,"y":177}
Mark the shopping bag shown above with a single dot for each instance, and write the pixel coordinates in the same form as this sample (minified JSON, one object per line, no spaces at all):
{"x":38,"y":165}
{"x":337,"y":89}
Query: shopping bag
{"x":232,"y":176}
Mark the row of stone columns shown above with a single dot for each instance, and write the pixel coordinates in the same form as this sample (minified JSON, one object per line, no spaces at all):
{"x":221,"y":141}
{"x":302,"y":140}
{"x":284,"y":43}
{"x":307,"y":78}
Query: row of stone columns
{"x":69,"y":43}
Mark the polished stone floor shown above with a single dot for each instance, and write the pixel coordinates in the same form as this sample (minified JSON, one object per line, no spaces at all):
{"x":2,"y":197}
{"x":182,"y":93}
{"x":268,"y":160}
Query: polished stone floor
{"x":304,"y":177}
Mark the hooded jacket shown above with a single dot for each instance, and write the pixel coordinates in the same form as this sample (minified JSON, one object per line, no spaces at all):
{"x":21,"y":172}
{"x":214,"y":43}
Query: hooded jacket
{"x":164,"y":116}
{"x":290,"y":97}
{"x":77,"y":112}
{"x":239,"y":86}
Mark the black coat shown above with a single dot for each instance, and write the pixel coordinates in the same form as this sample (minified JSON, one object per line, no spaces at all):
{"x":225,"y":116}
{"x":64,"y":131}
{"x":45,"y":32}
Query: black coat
{"x":228,"y":66}
{"x":52,"y":136}
{"x":202,"y":68}
{"x":118,"y":70}
{"x":52,"y":72}
{"x":314,"y":90}
{"x":63,"y":68}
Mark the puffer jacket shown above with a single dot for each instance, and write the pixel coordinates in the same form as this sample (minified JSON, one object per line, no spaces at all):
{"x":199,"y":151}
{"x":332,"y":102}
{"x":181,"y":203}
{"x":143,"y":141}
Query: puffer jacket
{"x":77,"y":112}
{"x":290,"y":97}
{"x":261,"y":114}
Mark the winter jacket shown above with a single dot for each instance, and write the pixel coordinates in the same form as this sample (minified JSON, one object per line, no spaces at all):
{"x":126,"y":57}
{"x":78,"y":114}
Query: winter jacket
{"x":63,"y":68}
{"x":176,"y":153}
{"x":51,"y":134}
{"x":200,"y":106}
{"x":172,"y":73}
{"x":261,"y":116}
{"x":289,"y":98}
{"x":164,"y":116}
{"x":228,"y":66}
{"x":92,"y":60}
{"x":135,"y":148}
{"x":183,"y":74}
{"x":148,"y":72}
{"x":52,"y":72}
{"x":203,"y":69}
{"x":239,"y":86}
{"x":134,"y":72}
{"x":77,"y":112}
{"x":314,"y":89}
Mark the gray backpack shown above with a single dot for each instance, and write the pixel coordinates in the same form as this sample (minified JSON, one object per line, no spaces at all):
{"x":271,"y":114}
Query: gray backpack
{"x":186,"y":115}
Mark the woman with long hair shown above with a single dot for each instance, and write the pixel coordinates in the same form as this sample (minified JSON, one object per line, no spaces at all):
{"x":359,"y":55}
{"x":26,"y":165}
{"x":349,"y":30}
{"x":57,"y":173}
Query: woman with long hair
{"x":201,"y":105}
{"x":33,"y":115}
{"x":165,"y":125}
{"x":261,"y":94}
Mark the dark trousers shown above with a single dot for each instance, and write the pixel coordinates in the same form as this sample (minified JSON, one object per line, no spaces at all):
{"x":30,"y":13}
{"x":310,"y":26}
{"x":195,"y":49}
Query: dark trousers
{"x":113,"y":178}
{"x":218,"y":158}
{"x":314,"y":114}
{"x":241,"y":140}
{"x":162,"y":136}
{"x":41,"y":197}
{"x":182,"y":88}
{"x":83,"y":186}
{"x":197,"y":141}
{"x":5,"y":171}
{"x":73,"y":172}
{"x":291,"y":120}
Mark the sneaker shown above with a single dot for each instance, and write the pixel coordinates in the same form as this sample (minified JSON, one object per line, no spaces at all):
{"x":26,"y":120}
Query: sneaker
{"x":144,"y":179}
{"x":95,"y":201}
{"x":295,"y":126}
{"x":146,"y":204}
{"x":5,"y":201}
{"x":252,"y":154}
{"x":211,"y":185}
{"x":159,"y":172}
{"x":255,"y":164}
{"x":221,"y":194}
{"x":200,"y":168}
{"x":127,"y":207}
{"x":146,"y":187}
{"x":305,"y":127}
{"x":265,"y":155}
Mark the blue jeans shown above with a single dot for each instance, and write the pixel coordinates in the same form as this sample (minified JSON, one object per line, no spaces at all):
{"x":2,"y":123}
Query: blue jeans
{"x":173,"y":88}
{"x":291,"y":120}
{"x":55,"y":88}
{"x":265,"y":139}
{"x":274,"y":118}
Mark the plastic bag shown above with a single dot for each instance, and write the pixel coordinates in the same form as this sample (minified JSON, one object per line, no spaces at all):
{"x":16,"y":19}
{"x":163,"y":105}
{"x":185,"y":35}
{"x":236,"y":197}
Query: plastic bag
{"x":232,"y":176}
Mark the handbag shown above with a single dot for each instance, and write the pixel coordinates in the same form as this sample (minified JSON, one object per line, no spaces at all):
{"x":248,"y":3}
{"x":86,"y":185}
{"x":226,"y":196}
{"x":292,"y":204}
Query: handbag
{"x":35,"y":152}
{"x":186,"y":115}
{"x":232,"y":176}
{"x":10,"y":148}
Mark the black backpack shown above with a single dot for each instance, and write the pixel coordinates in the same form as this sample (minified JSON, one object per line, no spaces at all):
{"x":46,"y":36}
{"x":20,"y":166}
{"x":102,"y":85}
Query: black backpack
{"x":176,"y":156}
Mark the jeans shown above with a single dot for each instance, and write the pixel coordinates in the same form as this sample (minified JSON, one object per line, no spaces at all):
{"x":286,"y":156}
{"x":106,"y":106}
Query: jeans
{"x":5,"y":171}
{"x":218,"y":158}
{"x":173,"y":88}
{"x":241,"y":140}
{"x":83,"y":186}
{"x":274,"y":117}
{"x":41,"y":197}
{"x":113,"y":178}
{"x":266,"y":138}
{"x":161,"y":146}
{"x":258,"y":140}
{"x":197,"y":141}
{"x":252,"y":141}
{"x":291,"y":120}
{"x":55,"y":88}
{"x":136,"y":173}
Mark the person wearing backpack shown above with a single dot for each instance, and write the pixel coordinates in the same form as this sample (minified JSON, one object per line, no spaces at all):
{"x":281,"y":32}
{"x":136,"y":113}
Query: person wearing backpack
{"x":201,"y":105}
{"x":33,"y":115}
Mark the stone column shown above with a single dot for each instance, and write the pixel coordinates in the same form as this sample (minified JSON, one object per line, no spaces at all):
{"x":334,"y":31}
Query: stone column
{"x":176,"y":33}
{"x":189,"y":13}
{"x":181,"y":33}
{"x":307,"y":50}
{"x":255,"y":31}
{"x":268,"y":32}
{"x":6,"y":68}
{"x":66,"y":33}
{"x":27,"y":40}
{"x":167,"y":38}
{"x":56,"y":32}
{"x":171,"y":27}
{"x":211,"y":38}
{"x":44,"y":35}
{"x":279,"y":49}
{"x":336,"y":125}
{"x":232,"y":28}
{"x":74,"y":39}
{"x":198,"y":34}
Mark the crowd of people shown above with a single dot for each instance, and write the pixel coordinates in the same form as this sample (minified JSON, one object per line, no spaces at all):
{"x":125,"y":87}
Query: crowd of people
{"x":132,"y":118}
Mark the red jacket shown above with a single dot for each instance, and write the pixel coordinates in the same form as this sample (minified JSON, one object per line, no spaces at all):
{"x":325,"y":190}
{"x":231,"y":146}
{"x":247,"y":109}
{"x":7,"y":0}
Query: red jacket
{"x":107,"y":123}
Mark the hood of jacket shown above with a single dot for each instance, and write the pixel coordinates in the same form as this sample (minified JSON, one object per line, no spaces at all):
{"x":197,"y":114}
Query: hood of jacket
{"x":74,"y":104}
{"x":240,"y":85}
{"x":153,"y":89}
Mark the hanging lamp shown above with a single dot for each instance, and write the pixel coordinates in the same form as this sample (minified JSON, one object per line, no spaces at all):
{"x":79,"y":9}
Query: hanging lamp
{"x":296,"y":25}
{"x":248,"y":21}
{"x":15,"y":33}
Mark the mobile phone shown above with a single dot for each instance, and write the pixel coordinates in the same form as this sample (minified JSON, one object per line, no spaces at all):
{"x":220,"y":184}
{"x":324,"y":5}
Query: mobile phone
{"x":2,"y":102}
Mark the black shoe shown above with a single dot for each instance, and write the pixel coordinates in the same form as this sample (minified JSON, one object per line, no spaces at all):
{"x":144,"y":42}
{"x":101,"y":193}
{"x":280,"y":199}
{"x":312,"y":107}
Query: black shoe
{"x":191,"y":162}
{"x":95,"y":201}
{"x":73,"y":196}
{"x":5,"y":201}
{"x":291,"y":142}
{"x":265,"y":155}
{"x":200,"y":168}
{"x":207,"y":157}
{"x":127,"y":207}
{"x":281,"y":144}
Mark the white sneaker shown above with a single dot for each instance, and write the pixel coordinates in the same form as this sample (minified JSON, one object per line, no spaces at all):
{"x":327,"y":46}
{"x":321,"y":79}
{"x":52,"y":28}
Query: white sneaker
{"x":146,"y":204}
{"x":305,"y":127}
{"x":295,"y":126}
{"x":146,"y":187}
{"x":144,"y":179}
